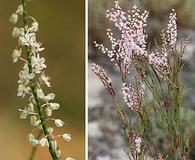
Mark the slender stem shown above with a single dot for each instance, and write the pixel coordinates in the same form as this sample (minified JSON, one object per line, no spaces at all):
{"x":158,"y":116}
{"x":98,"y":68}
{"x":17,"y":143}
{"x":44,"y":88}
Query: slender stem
{"x":34,"y":90}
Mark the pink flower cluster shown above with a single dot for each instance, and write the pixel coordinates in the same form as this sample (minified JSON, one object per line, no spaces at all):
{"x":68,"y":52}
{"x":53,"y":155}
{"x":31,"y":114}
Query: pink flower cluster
{"x":132,"y":41}
{"x":133,"y":38}
{"x":159,"y":58}
{"x":131,"y":45}
{"x":100,"y":72}
{"x":130,"y":49}
{"x":135,"y":142}
{"x":133,"y":95}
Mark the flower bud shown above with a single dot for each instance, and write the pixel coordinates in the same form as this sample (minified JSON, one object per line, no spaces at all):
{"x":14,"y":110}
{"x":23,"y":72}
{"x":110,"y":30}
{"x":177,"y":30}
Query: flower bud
{"x":35,"y":26}
{"x":34,"y":142}
{"x":31,"y":107}
{"x":49,"y":97}
{"x":58,"y":153}
{"x":48,"y":112}
{"x":33,"y":120}
{"x":30,"y":136}
{"x":16,"y":54}
{"x":58,"y":122}
{"x":66,"y":137}
{"x":54,"y":145}
{"x":54,"y":106}
{"x":21,"y":41}
{"x":14,"y":18}
{"x":20,"y":10}
{"x":43,"y":142}
{"x":16,"y":32}
{"x":50,"y":130}
{"x":40,"y":93}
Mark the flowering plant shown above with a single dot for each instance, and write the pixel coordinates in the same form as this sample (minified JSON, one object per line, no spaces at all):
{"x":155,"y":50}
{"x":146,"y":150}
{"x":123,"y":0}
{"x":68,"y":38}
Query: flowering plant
{"x":32,"y":78}
{"x":157,"y":73}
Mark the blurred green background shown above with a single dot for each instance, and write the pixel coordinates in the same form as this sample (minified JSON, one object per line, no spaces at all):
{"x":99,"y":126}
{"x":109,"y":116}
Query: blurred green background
{"x":62,"y":33}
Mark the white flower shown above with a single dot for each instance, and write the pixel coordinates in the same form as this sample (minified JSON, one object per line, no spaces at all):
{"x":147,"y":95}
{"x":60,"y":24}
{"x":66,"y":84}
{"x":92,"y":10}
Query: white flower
{"x":58,"y":122}
{"x":20,"y":10}
{"x":38,"y":63}
{"x":43,"y":142}
{"x":30,"y":136}
{"x":138,"y":141}
{"x":66,"y":137}
{"x":48,"y":112}
{"x":33,"y":120}
{"x":32,"y":140}
{"x":36,"y":47}
{"x":16,"y":55}
{"x":40,"y":93}
{"x":38,"y":124}
{"x":50,"y":130}
{"x":42,"y":96}
{"x":54,"y":106}
{"x":16,"y":32}
{"x":14,"y":18}
{"x":31,"y":107}
{"x":58,"y":152}
{"x":49,"y":97}
{"x":25,"y":76}
{"x":25,"y":112}
{"x":45,"y":79}
{"x":35,"y":26}
{"x":26,"y":39}
{"x":68,"y":158}
{"x":23,"y":90}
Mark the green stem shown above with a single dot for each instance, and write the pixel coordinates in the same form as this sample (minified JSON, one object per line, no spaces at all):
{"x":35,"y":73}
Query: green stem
{"x":34,"y":90}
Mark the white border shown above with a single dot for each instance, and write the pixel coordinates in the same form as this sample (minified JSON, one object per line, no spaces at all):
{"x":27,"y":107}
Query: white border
{"x":86,"y":79}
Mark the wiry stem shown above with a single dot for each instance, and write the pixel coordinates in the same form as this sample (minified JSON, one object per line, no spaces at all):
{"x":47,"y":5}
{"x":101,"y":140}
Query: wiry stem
{"x":34,"y":89}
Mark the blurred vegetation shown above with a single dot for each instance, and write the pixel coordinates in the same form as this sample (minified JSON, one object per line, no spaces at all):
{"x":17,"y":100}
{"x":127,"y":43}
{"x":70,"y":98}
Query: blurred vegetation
{"x":62,"y":33}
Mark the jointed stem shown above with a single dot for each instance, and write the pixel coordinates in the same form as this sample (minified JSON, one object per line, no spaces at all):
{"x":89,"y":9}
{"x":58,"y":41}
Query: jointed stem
{"x":34,"y":90}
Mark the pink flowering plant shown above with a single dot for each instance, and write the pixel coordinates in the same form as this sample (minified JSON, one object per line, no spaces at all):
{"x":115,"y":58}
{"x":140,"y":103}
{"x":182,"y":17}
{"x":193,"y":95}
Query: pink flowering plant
{"x":156,"y":72}
{"x":32,"y":78}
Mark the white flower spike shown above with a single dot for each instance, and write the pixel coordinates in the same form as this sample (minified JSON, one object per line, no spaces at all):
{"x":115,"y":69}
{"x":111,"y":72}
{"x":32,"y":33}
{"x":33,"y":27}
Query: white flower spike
{"x":32,"y":78}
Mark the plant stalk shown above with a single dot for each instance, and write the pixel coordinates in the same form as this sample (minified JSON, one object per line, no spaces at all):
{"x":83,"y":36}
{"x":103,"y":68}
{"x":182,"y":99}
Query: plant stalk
{"x":34,"y":88}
